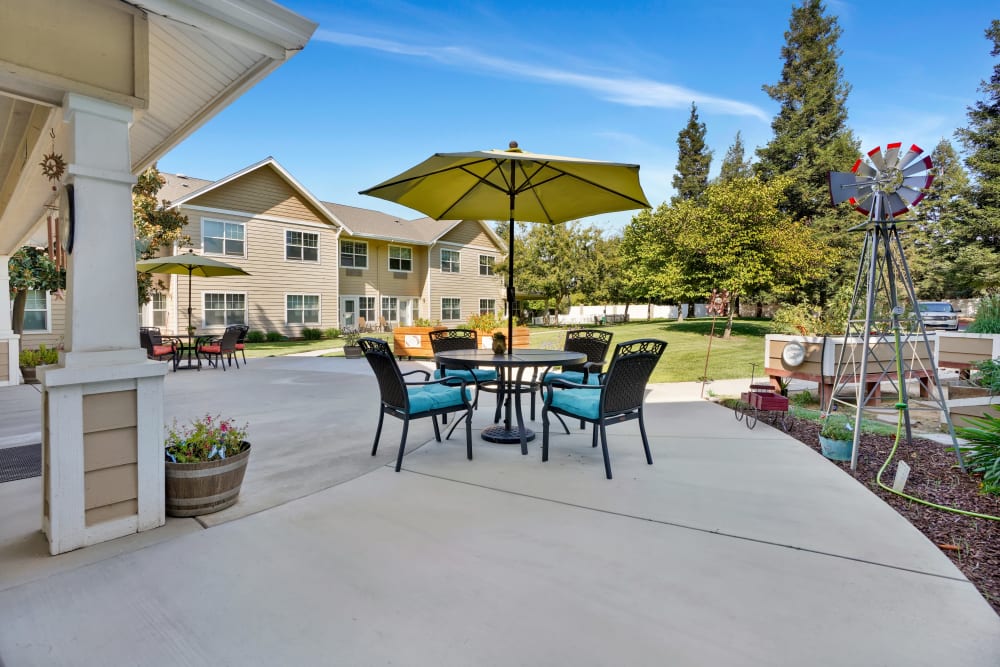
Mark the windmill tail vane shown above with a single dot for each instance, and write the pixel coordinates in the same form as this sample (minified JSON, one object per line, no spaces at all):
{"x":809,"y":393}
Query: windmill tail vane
{"x":884,"y":185}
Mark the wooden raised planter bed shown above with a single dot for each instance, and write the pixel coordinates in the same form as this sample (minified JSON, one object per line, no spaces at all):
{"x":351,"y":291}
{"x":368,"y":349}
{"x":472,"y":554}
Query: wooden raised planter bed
{"x":957,"y":349}
{"x":414,"y":342}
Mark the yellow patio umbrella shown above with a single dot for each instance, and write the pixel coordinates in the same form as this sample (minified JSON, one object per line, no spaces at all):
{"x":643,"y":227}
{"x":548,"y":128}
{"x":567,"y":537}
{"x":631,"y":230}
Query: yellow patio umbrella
{"x":513,"y":184}
{"x":192,"y":265}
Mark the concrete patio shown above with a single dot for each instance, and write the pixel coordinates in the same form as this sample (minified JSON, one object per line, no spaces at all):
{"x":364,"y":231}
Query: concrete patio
{"x":736,"y":547}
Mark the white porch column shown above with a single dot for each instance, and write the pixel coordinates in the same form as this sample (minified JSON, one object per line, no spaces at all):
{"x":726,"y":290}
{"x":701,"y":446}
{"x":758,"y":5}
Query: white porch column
{"x":10,"y":344}
{"x":102,"y":414}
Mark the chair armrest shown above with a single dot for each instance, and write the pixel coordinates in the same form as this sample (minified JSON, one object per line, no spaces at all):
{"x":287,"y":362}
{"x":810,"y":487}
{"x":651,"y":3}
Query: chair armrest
{"x":427,"y":376}
{"x":449,"y":381}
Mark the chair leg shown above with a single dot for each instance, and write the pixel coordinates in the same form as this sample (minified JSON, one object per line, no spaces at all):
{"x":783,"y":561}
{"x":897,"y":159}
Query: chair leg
{"x":559,"y":417}
{"x":244,"y":354}
{"x":645,"y":440}
{"x":604,"y":447}
{"x":437,"y":433}
{"x":402,"y":445}
{"x":378,"y":431}
{"x":545,"y":435}
{"x":595,"y":436}
{"x":468,"y":434}
{"x":520,"y":424}
{"x":455,"y":423}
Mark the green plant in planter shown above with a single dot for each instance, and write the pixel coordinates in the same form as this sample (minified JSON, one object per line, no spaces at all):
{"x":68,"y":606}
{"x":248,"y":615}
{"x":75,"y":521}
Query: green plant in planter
{"x":205,"y":439}
{"x":836,"y":427}
{"x":987,"y":374}
{"x":486,"y":323}
{"x":41,"y":357}
{"x":987,"y":316}
{"x":424,"y":322}
{"x":982,"y":455}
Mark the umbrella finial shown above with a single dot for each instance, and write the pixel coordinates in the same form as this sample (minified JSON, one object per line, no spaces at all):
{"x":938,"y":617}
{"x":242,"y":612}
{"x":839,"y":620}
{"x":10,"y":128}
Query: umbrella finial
{"x":512,"y":148}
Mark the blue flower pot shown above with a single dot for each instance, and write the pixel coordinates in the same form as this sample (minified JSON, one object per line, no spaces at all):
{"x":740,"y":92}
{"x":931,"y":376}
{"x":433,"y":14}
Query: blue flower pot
{"x":837,"y":450}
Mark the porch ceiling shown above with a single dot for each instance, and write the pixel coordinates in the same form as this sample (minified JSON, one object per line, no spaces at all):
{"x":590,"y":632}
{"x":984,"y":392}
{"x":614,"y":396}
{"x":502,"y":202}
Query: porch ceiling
{"x":202,"y":54}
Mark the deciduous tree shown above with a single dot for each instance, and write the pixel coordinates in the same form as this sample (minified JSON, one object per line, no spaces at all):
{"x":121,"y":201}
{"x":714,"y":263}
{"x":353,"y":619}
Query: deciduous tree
{"x":156,"y":225}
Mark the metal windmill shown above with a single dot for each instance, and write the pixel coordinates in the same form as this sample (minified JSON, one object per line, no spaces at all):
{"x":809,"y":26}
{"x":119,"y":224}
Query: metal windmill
{"x":883,"y":315}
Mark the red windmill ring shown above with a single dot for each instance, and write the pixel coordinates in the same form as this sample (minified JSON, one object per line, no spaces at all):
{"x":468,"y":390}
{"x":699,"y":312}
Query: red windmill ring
{"x":900,"y":182}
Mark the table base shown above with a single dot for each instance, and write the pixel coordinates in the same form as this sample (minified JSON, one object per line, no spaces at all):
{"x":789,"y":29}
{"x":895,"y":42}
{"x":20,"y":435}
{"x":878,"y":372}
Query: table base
{"x":502,"y":435}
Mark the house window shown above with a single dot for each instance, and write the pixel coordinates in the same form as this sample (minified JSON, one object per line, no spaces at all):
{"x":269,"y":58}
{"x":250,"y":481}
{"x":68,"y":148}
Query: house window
{"x":223,"y":238}
{"x":485,"y":265}
{"x":450,"y":261}
{"x":302,"y":308}
{"x":390,"y":308}
{"x":301,"y":246}
{"x":487,"y":306}
{"x":222,"y":309}
{"x":354,"y":254}
{"x":36,"y":311}
{"x":400,"y":259}
{"x":366,"y":308}
{"x":159,"y":307}
{"x":451,"y":309}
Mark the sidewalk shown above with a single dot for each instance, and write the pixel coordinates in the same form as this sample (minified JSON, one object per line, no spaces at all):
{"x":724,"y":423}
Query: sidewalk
{"x":735,"y":547}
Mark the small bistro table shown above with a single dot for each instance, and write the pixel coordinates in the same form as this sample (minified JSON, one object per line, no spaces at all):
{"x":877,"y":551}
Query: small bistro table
{"x":510,"y":374}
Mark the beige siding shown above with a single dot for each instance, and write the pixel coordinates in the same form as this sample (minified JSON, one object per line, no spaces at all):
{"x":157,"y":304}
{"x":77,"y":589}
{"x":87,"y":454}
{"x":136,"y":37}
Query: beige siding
{"x":812,"y":366}
{"x":57,"y":327}
{"x":378,"y":281}
{"x":262,"y":192}
{"x":4,"y":364}
{"x":467,"y":285}
{"x":110,"y":443}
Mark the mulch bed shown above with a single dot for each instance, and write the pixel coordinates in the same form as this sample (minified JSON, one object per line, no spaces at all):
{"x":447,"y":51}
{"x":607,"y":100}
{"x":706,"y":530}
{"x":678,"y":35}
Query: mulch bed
{"x":972,"y":543}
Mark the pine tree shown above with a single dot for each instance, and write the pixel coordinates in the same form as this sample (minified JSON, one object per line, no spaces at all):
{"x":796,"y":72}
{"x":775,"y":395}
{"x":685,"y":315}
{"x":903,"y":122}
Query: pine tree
{"x":693,"y":159}
{"x":811,"y":137}
{"x":735,"y":164}
{"x":981,"y":140}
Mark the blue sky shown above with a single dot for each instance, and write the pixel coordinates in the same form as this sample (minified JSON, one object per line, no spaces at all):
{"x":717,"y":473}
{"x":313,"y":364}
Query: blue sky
{"x":383,"y":85}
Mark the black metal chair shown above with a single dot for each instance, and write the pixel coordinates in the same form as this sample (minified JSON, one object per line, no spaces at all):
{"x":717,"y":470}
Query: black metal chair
{"x":220,"y":349}
{"x":157,"y":347}
{"x":449,"y":340}
{"x":618,"y":398}
{"x":592,"y":342}
{"x":414,"y":400}
{"x":241,"y":341}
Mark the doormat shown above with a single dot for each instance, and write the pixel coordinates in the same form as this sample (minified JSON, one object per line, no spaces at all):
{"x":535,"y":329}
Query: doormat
{"x":20,"y":462}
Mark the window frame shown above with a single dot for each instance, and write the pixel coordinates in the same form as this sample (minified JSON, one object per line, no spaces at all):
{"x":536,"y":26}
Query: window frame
{"x":483,"y":311}
{"x":225,"y":310}
{"x":373,"y":309}
{"x":457,"y":263}
{"x":47,"y":311}
{"x":487,"y":268}
{"x":303,"y":308}
{"x":301,"y":246}
{"x":153,"y":310}
{"x":390,"y":258}
{"x":456,"y":308}
{"x":354,"y":254}
{"x":224,"y":223}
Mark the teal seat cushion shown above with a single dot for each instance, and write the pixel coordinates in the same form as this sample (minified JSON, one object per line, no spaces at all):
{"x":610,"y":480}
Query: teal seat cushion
{"x":579,"y":402}
{"x":574,"y":376}
{"x":434,"y":397}
{"x":481,"y":374}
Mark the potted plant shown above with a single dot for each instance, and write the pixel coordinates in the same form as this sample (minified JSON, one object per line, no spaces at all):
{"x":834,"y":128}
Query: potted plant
{"x":982,"y":454}
{"x":28,"y":359}
{"x":205,"y":464}
{"x":836,"y":438}
{"x":351,"y":348}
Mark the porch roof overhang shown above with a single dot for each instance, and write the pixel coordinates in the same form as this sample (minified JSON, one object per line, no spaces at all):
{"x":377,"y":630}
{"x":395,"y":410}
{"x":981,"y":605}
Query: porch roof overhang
{"x":176,"y":63}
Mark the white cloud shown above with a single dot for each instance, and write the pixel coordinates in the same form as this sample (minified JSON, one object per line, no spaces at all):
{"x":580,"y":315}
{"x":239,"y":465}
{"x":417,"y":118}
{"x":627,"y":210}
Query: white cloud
{"x":628,"y":91}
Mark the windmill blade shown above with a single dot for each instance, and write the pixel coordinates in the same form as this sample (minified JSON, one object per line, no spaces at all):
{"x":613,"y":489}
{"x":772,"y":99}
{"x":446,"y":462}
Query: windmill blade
{"x":862,"y":203}
{"x":875,"y":155}
{"x":910,"y":195}
{"x":843,"y":186}
{"x":919,"y":166}
{"x":892,"y":155}
{"x":862,"y":169}
{"x":911,"y":155}
{"x":919,"y":182}
{"x":896,"y":204}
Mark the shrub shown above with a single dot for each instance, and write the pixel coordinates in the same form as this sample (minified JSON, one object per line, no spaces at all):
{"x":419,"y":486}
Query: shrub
{"x":332,"y":333}
{"x":41,"y":357}
{"x":987,"y":316}
{"x":312,"y":334}
{"x":803,"y":398}
{"x":254,"y":336}
{"x":424,"y":322}
{"x":274,"y":337}
{"x":982,"y":455}
{"x":487,"y":323}
{"x":836,"y":427}
{"x":987,"y":374}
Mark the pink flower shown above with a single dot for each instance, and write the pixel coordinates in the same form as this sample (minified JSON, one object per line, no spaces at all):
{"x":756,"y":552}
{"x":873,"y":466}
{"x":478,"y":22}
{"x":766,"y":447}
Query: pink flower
{"x":223,"y":427}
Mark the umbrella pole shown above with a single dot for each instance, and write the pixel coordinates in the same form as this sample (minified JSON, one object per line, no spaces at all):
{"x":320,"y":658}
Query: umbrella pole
{"x":510,"y":267}
{"x":189,"y":306}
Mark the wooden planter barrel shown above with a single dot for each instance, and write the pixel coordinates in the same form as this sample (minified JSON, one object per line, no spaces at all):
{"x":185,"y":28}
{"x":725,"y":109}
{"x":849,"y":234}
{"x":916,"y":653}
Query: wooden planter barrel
{"x":194,"y":489}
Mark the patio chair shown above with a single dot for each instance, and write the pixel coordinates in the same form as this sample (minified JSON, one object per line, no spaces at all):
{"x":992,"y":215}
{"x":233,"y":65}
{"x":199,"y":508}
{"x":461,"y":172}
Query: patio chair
{"x":241,"y":341}
{"x":618,"y":398}
{"x":159,"y":348}
{"x":448,"y":340}
{"x":414,"y":400}
{"x":220,"y":349}
{"x":592,"y":342}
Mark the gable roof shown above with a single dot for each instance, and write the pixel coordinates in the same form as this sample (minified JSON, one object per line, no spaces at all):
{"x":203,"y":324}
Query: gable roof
{"x":177,"y":186}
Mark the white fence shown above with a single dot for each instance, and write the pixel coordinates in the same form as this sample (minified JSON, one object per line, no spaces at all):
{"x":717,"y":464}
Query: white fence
{"x":636,"y":311}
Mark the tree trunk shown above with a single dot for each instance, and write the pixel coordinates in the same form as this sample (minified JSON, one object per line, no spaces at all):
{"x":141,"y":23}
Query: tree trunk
{"x":729,"y":325}
{"x":17,"y":316}
{"x":760,"y":309}
{"x":680,"y":312}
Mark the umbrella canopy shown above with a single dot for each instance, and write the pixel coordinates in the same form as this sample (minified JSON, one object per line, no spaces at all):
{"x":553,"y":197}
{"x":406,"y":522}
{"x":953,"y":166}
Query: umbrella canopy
{"x":513,"y":184}
{"x":192,"y":265}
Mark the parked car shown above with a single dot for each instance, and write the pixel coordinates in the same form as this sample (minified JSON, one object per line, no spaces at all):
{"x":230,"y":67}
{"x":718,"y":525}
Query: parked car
{"x":938,"y":314}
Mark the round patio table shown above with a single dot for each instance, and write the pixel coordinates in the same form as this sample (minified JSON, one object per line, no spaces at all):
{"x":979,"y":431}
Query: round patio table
{"x":510,"y":373}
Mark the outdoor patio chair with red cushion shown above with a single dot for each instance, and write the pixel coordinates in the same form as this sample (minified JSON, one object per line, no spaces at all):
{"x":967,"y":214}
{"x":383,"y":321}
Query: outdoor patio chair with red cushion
{"x":414,"y":400}
{"x":618,"y":398}
{"x":159,"y":348}
{"x":241,"y":341}
{"x":217,"y":351}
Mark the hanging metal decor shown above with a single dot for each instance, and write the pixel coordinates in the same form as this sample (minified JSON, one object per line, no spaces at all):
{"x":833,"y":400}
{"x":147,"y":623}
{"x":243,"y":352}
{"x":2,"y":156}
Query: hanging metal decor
{"x":53,"y":165}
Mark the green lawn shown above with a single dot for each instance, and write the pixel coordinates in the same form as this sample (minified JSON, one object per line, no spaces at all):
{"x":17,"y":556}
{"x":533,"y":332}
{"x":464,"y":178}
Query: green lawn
{"x":684,"y":359}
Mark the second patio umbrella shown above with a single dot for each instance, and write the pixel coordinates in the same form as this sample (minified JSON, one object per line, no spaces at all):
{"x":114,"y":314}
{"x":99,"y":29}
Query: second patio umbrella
{"x":192,"y":265}
{"x":513,"y":184}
